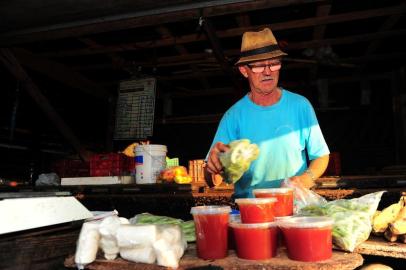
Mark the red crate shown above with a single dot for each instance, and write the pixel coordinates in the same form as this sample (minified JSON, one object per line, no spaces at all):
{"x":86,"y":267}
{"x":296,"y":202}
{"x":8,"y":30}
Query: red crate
{"x":111,"y":164}
{"x":71,"y":168}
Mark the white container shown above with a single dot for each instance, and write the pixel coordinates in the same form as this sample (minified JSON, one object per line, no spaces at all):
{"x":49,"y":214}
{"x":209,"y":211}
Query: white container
{"x":150,"y":160}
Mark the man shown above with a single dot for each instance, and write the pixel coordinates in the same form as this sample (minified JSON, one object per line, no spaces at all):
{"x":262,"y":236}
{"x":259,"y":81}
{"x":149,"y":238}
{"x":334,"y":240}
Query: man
{"x":283,"y":124}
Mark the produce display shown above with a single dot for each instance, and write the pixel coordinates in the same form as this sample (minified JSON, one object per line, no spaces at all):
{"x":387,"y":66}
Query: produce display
{"x":188,"y":227}
{"x":352,"y":218}
{"x":284,"y":199}
{"x":255,"y":241}
{"x":177,"y":174}
{"x":238,"y":159}
{"x":163,"y":244}
{"x":211,"y":231}
{"x":391,"y":221}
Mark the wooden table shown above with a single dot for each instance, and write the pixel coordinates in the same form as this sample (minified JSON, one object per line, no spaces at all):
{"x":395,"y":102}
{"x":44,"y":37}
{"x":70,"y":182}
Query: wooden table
{"x":378,"y":246}
{"x":339,"y":261}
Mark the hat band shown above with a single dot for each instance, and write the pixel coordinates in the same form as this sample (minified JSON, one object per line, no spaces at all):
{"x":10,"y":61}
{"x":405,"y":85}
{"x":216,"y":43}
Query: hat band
{"x":262,"y":50}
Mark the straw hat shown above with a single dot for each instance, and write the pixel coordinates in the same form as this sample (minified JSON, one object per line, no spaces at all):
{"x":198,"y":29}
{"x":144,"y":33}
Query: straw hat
{"x":257,"y":46}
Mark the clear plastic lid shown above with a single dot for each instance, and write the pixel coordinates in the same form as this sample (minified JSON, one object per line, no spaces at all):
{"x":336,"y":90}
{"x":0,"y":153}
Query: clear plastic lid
{"x":234,"y":218}
{"x":272,"y":190}
{"x":265,"y":225}
{"x":306,"y":222}
{"x":282,"y":218}
{"x":210,"y":210}
{"x":255,"y":200}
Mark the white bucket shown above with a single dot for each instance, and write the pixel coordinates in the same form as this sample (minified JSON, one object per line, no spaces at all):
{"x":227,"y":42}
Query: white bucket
{"x":150,"y":160}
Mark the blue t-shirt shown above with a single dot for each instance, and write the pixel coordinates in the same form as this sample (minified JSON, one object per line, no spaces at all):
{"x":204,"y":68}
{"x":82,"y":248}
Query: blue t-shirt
{"x":283,"y":132}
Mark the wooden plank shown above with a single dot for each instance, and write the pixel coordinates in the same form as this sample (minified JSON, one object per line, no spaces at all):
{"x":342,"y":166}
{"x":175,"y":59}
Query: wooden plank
{"x":233,"y":32}
{"x":44,"y":248}
{"x":339,"y":261}
{"x":380,"y":247}
{"x":60,"y":73}
{"x":140,"y":19}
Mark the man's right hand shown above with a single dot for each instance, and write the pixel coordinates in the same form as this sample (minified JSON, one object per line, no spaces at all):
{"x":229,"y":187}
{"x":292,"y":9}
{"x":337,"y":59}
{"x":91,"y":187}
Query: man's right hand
{"x":213,"y":162}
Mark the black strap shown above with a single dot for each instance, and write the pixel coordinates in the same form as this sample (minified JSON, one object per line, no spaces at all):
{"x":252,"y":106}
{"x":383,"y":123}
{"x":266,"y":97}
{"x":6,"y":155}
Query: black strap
{"x":266,"y":49}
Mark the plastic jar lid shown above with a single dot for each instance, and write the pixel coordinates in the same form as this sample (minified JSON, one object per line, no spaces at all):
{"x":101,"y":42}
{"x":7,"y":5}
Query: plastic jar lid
{"x":235,"y":218}
{"x":255,"y":200}
{"x":282,"y":218}
{"x":306,"y":222}
{"x":264,"y":225}
{"x":210,"y":210}
{"x":273,"y":190}
{"x":150,"y":147}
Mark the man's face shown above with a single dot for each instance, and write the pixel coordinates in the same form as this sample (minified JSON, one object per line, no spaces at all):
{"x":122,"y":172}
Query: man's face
{"x":263,"y":76}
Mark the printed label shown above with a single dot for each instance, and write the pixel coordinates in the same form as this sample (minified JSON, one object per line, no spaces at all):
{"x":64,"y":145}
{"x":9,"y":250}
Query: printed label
{"x":139,"y":160}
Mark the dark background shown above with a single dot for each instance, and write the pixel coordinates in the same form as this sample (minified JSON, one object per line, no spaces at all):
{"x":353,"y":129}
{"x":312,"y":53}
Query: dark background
{"x":346,"y":57}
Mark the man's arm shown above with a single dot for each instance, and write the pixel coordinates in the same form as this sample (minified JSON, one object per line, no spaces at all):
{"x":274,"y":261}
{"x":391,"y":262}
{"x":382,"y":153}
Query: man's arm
{"x":315,"y":170}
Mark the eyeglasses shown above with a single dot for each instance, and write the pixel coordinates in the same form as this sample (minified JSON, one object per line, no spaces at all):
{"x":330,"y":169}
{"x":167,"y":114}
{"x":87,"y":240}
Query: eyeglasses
{"x":260,"y":68}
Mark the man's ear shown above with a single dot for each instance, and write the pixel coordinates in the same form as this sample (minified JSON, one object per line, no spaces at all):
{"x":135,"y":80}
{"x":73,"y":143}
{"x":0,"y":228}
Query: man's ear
{"x":243,"y":71}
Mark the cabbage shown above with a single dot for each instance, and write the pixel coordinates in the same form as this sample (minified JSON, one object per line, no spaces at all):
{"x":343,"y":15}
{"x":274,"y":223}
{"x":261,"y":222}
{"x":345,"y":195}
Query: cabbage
{"x":238,"y":159}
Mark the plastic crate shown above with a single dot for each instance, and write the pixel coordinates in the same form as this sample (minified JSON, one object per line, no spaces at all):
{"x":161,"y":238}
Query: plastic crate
{"x":111,"y":164}
{"x":71,"y":168}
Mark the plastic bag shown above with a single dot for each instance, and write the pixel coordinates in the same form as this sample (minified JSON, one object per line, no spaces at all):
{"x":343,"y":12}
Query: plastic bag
{"x":302,"y":196}
{"x":352,"y":218}
{"x":238,"y":159}
{"x":48,"y":179}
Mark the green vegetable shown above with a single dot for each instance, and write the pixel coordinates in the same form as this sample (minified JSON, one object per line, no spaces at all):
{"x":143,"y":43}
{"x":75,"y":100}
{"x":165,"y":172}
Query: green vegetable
{"x":188,"y":227}
{"x":352,"y":223}
{"x":238,"y":159}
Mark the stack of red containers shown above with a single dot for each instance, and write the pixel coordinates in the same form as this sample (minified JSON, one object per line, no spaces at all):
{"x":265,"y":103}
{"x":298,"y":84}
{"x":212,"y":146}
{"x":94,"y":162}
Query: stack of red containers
{"x":111,"y":164}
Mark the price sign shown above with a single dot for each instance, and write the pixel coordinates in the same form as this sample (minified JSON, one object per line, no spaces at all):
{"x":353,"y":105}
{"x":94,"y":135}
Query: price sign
{"x":135,"y":109}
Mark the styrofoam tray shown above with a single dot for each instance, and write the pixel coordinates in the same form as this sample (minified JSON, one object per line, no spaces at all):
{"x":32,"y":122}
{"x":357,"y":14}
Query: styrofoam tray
{"x":97,"y":180}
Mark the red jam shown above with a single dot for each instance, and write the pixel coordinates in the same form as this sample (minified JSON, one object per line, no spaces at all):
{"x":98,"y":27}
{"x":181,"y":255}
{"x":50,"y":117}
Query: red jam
{"x":284,"y":196}
{"x":307,"y":243}
{"x":256,"y":210}
{"x":255,"y":241}
{"x":211,"y":234}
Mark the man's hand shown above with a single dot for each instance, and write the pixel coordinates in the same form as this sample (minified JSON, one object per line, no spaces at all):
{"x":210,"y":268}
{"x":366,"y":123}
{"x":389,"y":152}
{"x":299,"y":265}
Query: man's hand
{"x":304,"y":180}
{"x":213,"y":162}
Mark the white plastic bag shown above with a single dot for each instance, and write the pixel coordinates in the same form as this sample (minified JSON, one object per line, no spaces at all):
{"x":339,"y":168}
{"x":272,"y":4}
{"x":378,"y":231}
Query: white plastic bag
{"x":352,"y":218}
{"x":302,"y":196}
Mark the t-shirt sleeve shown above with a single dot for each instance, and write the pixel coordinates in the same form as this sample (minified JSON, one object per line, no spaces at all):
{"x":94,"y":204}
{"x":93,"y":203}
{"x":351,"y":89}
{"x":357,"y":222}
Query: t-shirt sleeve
{"x":315,"y":143}
{"x":226,"y":131}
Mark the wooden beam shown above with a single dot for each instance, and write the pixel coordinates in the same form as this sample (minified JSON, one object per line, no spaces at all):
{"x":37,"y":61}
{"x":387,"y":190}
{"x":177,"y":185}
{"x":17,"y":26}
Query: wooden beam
{"x":102,"y":25}
{"x":323,"y":10}
{"x":346,"y":39}
{"x":181,"y":49}
{"x":170,"y":41}
{"x":220,"y":56}
{"x":12,"y":64}
{"x":387,"y":25}
{"x":201,"y":58}
{"x":59,"y":73}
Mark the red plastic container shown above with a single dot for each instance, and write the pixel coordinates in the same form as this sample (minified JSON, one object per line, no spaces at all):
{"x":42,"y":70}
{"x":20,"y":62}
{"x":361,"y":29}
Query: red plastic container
{"x":256,"y":210}
{"x":71,"y":168}
{"x":111,"y":164}
{"x":281,"y":240}
{"x":308,"y":239}
{"x":231,"y":240}
{"x":257,"y":241}
{"x":284,"y":196}
{"x":211,"y":224}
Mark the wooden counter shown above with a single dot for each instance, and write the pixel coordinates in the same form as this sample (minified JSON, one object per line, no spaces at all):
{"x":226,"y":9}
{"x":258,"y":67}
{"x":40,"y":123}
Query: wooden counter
{"x":339,"y":261}
{"x":378,"y":246}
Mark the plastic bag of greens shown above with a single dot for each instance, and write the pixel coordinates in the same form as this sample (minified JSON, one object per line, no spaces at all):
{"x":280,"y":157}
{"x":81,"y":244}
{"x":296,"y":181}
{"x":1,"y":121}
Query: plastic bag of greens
{"x":352,"y":218}
{"x":302,"y":196}
{"x":188,"y":227}
{"x":238,"y":159}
